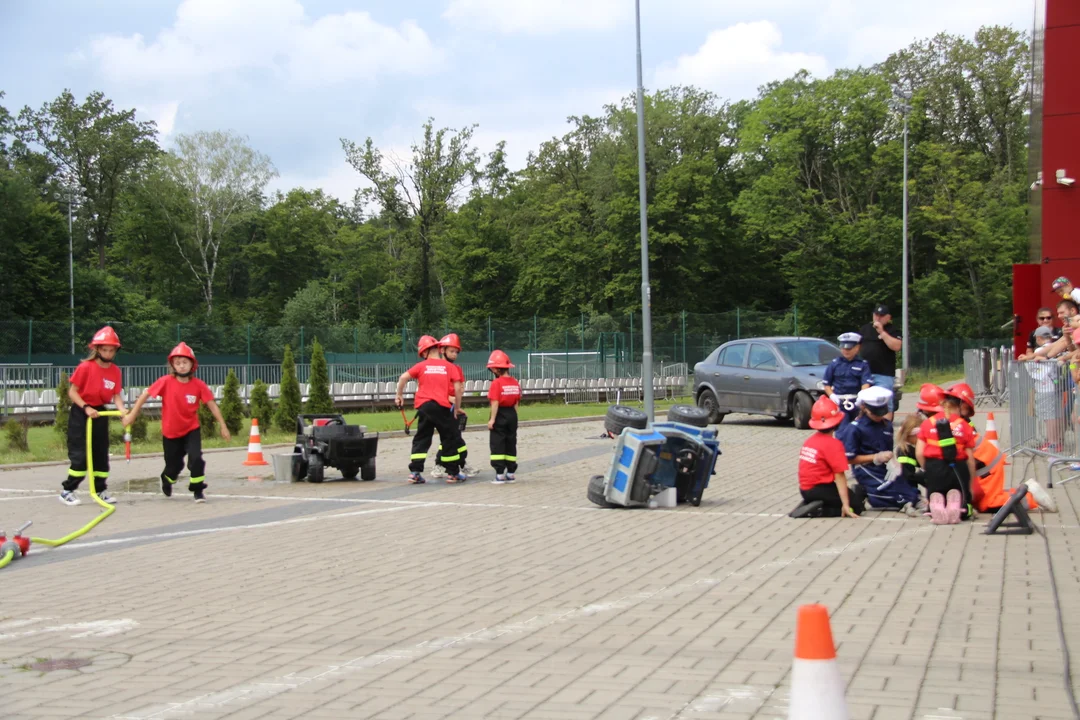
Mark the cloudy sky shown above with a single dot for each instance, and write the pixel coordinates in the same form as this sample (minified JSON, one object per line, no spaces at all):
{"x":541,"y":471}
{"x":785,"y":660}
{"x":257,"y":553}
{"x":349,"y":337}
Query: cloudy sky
{"x":297,"y":75}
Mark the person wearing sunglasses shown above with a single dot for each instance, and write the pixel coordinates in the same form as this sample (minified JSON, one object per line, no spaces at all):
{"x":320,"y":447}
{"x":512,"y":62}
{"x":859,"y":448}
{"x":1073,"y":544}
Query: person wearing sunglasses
{"x":1044,"y":318}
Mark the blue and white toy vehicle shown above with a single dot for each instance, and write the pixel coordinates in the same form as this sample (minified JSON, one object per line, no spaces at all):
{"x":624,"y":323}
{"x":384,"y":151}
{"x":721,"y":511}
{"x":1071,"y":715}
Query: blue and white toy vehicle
{"x":646,"y":462}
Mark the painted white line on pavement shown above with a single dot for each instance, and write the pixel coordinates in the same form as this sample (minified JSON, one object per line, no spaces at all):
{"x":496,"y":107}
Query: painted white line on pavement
{"x":231,"y":528}
{"x":96,"y":628}
{"x":260,"y":690}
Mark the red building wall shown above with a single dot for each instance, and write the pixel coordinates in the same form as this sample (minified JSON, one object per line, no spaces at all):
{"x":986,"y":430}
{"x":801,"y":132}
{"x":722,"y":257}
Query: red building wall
{"x":1060,"y":151}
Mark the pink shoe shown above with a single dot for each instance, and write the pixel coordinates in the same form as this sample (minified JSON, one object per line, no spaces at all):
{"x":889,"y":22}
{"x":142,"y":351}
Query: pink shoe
{"x":938,"y":514}
{"x":953,"y":506}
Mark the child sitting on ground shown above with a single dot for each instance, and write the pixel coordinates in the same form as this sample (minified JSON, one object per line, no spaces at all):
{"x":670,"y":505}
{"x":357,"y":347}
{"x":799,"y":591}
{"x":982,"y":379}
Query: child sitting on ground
{"x":822,"y":464}
{"x":868,"y":442}
{"x":944,"y":450}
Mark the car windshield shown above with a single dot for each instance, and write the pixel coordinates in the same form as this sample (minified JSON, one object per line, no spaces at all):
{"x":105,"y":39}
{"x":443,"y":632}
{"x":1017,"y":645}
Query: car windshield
{"x":800,"y":353}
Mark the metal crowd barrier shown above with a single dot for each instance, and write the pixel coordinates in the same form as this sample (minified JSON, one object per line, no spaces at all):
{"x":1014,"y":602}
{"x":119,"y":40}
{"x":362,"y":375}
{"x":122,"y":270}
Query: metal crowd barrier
{"x":986,"y":370}
{"x":1043,"y":418}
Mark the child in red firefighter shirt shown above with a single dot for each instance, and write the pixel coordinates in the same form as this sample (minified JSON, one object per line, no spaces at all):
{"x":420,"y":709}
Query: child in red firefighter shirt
{"x":948,"y":481}
{"x":436,"y":381}
{"x":180,"y":394}
{"x":504,"y":395}
{"x":94,"y":383}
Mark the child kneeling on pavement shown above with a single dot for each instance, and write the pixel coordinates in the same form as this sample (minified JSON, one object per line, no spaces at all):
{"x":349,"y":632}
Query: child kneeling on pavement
{"x":868,"y":442}
{"x":822,"y":464}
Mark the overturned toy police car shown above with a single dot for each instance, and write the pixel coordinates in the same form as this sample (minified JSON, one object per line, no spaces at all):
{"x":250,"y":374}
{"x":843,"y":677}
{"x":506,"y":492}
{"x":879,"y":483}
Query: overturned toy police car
{"x":647,"y":461}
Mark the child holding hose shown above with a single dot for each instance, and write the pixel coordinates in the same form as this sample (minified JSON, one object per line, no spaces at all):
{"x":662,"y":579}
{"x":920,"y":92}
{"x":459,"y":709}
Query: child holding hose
{"x":95,"y":382}
{"x":450,"y":345}
{"x":181,"y":392}
{"x":436,"y":380}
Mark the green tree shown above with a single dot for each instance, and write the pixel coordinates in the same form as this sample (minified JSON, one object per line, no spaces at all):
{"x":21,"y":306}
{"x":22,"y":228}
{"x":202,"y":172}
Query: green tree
{"x":261,"y":406}
{"x":419,"y":194}
{"x":93,"y":146}
{"x":207,"y":423}
{"x":63,"y":406}
{"x":220,"y":179}
{"x":319,"y":399}
{"x":34,"y":241}
{"x":289,"y":405}
{"x":232,"y":409}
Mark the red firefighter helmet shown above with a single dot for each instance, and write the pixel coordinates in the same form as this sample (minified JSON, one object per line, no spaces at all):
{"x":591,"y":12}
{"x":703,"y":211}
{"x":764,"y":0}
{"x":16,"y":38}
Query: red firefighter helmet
{"x":499,"y":359}
{"x":105,"y":336}
{"x":825,"y":414}
{"x":930,"y":397}
{"x":451,"y":340}
{"x":425,"y":343}
{"x":963,"y":393}
{"x":182,"y":350}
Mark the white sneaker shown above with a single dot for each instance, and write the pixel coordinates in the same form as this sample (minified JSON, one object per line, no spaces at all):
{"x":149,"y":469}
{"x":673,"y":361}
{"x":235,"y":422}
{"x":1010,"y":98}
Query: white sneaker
{"x":438,"y":472}
{"x":1041,"y":495}
{"x":68,"y":497}
{"x":105,"y":497}
{"x":910,"y":510}
{"x":510,"y":477}
{"x":470,"y":471}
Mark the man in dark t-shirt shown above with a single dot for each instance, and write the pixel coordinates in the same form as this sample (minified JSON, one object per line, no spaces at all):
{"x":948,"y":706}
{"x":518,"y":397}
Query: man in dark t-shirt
{"x":1045,"y":317}
{"x":880,"y":343}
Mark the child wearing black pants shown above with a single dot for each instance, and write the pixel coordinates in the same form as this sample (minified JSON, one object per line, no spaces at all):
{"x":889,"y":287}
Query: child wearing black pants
{"x":822,"y":464}
{"x":436,"y":381}
{"x":181,"y":393}
{"x":504,"y":395}
{"x":94,"y":383}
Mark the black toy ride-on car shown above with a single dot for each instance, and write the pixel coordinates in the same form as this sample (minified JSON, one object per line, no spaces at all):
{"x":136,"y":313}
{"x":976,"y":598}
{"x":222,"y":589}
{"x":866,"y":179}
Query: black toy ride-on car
{"x":328,"y":441}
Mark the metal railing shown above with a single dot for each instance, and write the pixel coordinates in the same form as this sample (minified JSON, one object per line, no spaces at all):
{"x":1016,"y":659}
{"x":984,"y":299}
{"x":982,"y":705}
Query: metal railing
{"x":1043,"y":418}
{"x":986,"y":370}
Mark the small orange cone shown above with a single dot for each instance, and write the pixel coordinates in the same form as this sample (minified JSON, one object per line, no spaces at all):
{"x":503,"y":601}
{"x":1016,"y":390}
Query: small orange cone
{"x":255,"y":456}
{"x":817,"y":690}
{"x":991,"y":431}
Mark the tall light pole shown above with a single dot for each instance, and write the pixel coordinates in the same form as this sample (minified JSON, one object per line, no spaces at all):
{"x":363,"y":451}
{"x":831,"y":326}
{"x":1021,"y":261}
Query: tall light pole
{"x":903,"y":104}
{"x":71,"y":266}
{"x":646,"y":293}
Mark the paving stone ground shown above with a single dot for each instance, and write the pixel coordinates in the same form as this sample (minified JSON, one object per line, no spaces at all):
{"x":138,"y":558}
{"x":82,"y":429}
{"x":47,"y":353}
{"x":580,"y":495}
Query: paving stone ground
{"x":383,"y":600}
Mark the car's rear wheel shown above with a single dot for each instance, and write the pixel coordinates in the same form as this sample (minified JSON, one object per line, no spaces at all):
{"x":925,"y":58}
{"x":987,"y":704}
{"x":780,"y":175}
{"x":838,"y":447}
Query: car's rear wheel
{"x":707,"y":401}
{"x":801,"y":402}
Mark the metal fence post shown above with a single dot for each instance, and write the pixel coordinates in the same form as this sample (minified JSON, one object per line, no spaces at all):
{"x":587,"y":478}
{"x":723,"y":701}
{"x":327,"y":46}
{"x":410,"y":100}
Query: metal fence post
{"x":738,"y":323}
{"x":795,"y":313}
{"x":536,"y":334}
{"x":566,"y":349}
{"x":684,"y":336}
{"x":631,"y":337}
{"x":301,"y":344}
{"x":355,"y":344}
{"x":490,"y":348}
{"x":29,"y":345}
{"x":582,"y":332}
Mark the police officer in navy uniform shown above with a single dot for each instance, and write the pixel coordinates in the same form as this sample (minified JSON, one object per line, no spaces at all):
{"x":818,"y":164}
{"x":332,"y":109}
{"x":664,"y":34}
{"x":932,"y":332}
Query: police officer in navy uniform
{"x":868,"y":443}
{"x":846,"y":375}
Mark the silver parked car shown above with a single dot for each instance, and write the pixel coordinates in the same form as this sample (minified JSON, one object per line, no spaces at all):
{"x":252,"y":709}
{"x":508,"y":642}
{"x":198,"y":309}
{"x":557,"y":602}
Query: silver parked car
{"x":778,"y":376}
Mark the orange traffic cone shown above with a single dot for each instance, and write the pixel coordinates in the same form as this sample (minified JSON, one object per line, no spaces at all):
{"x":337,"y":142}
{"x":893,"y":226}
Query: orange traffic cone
{"x":255,"y":456}
{"x":991,"y":431}
{"x":817,"y":690}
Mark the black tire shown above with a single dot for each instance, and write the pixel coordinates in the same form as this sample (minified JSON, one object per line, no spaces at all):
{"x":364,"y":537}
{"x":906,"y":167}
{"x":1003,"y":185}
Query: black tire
{"x":801,"y":403}
{"x":595,"y":493}
{"x":688,"y":415}
{"x":349,"y":472}
{"x":316,"y":469}
{"x":621,"y":416}
{"x":707,"y":402}
{"x":300,"y":465}
{"x":367,"y":470}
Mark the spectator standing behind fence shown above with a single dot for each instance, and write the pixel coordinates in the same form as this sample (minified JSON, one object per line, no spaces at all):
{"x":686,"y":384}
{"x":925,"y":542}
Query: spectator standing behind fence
{"x":1045,"y":318}
{"x":880,"y":343}
{"x":1064,"y":287}
{"x":1066,"y":310}
{"x":1045,"y":401}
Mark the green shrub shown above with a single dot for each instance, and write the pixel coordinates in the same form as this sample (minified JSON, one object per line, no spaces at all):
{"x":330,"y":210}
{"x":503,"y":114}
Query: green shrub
{"x":207,"y":424}
{"x":261,"y":405}
{"x":232,"y":409}
{"x":63,"y":406}
{"x":17,"y":435}
{"x":289,"y":404}
{"x":319,"y":399}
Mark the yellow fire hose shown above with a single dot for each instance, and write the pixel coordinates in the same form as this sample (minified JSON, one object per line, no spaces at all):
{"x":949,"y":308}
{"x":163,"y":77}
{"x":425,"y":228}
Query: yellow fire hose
{"x":109,"y":509}
{"x":7,"y":558}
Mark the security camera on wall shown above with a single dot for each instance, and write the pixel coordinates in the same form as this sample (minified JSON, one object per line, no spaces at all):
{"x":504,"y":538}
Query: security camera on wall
{"x":1062,"y":180}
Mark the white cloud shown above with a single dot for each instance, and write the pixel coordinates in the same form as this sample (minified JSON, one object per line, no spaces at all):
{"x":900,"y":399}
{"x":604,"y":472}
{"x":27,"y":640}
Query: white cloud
{"x":734,"y":61}
{"x":211,"y":39}
{"x":337,"y":180}
{"x":163,"y":114}
{"x":538,"y":16}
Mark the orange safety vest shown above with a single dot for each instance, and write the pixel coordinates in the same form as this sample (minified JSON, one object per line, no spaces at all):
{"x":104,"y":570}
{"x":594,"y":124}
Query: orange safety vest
{"x":988,"y":486}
